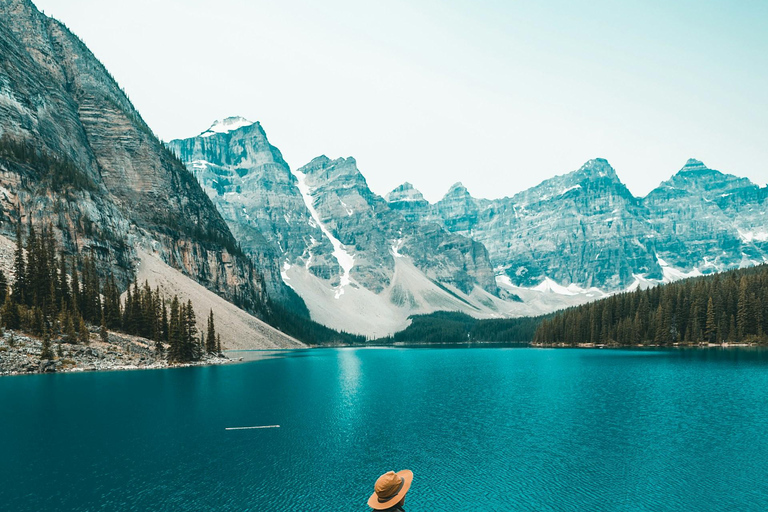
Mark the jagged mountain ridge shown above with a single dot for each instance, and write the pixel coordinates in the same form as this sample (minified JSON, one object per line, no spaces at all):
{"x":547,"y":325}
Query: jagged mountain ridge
{"x":578,"y":235}
{"x":586,"y":229}
{"x":337,"y":241}
{"x":75,"y":154}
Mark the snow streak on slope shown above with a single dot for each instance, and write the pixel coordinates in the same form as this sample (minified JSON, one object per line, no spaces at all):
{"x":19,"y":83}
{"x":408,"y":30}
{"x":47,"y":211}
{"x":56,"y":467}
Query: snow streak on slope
{"x":346,"y":260}
{"x":671,"y":274}
{"x":550,"y":286}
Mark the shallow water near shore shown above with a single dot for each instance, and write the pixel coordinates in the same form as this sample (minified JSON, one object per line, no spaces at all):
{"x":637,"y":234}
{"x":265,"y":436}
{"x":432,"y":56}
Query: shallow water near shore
{"x":482,"y":429}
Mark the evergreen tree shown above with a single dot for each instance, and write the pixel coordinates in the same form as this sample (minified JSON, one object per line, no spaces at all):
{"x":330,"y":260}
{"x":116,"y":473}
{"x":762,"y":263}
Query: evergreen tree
{"x":742,"y":311}
{"x":710,"y":330}
{"x":69,"y":327}
{"x":85,"y":335}
{"x":126,"y":322}
{"x":194,"y":351}
{"x":733,"y":333}
{"x":46,"y":352}
{"x":11,"y":316}
{"x":159,"y":349}
{"x":76,"y":302}
{"x":103,"y":333}
{"x":164,"y":323}
{"x":64,"y":297}
{"x":3,"y":284}
{"x":157,"y":315}
{"x":210,"y":347}
{"x":33,"y":275}
{"x":19,"y":269}
{"x":174,"y":331}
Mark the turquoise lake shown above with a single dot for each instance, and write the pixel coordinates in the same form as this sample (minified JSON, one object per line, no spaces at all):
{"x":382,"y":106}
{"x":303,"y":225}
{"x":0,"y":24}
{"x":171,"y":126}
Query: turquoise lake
{"x":483,"y":429}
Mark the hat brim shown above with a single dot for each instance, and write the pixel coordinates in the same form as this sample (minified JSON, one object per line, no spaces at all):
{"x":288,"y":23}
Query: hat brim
{"x":375,"y":504}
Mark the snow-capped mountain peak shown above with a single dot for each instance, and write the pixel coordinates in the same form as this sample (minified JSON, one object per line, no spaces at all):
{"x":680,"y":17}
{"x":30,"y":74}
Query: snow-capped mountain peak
{"x":693,"y":164}
{"x":226,"y":125}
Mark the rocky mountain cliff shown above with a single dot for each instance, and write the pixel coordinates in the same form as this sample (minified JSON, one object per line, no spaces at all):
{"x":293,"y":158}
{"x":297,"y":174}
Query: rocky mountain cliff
{"x":76,"y":154}
{"x":340,"y":246}
{"x":256,"y":194}
{"x":585,"y":229}
{"x":705,"y":221}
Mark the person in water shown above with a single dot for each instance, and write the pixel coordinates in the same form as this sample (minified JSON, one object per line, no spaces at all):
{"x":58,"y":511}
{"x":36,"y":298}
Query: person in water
{"x":390,"y":490}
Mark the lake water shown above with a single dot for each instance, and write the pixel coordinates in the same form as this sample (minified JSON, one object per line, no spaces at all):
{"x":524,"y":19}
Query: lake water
{"x":482,"y":430}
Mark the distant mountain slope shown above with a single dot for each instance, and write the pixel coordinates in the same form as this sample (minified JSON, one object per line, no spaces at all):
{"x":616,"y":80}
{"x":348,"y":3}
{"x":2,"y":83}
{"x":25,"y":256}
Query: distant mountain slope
{"x":706,"y":220}
{"x":585,"y":229}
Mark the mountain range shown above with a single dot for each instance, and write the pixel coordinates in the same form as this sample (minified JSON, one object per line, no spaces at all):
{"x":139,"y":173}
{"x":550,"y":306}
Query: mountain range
{"x":365,"y":263}
{"x":585,"y":229}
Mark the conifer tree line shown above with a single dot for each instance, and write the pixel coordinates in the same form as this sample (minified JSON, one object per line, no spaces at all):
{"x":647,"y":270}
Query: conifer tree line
{"x":59,"y":296}
{"x":729,"y":307}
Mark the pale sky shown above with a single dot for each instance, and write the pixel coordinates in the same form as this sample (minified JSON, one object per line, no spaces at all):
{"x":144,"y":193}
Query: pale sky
{"x":497,"y":94}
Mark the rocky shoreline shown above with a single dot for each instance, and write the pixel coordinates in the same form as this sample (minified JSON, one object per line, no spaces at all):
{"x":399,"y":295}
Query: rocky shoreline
{"x":20,"y":354}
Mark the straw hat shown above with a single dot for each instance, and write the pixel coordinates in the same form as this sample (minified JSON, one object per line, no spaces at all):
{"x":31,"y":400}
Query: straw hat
{"x":390,"y":489}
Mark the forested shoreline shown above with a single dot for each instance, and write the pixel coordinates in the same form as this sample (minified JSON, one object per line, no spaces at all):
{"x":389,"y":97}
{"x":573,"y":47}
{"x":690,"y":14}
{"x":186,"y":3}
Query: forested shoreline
{"x":730,"y":307}
{"x":453,"y":327}
{"x":55,"y":298}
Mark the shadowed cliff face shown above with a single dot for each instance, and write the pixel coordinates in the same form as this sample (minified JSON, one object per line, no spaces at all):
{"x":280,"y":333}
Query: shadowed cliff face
{"x":82,"y":159}
{"x":256,"y":194}
{"x":586,"y":228}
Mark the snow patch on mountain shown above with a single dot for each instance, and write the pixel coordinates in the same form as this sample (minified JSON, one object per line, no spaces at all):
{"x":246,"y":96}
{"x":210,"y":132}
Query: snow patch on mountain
{"x":411,"y":292}
{"x":346,"y":260}
{"x":396,"y":248}
{"x":672,"y":274}
{"x":566,"y":190}
{"x":641,"y":282}
{"x":751,"y":236}
{"x":346,"y":208}
{"x":550,"y":286}
{"x":284,"y":271}
{"x":535,"y":302}
{"x":226,"y":125}
{"x":200,"y":164}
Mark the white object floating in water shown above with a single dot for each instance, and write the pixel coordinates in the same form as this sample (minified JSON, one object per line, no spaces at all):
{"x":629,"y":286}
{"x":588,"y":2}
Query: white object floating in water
{"x":250,"y":428}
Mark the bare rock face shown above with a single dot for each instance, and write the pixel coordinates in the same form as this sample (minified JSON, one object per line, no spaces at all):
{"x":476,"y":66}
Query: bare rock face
{"x":365,"y":224}
{"x":322,"y":216}
{"x":709,"y":221}
{"x":409,"y":202}
{"x":585,"y":228}
{"x":77,"y":155}
{"x":255,"y":192}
